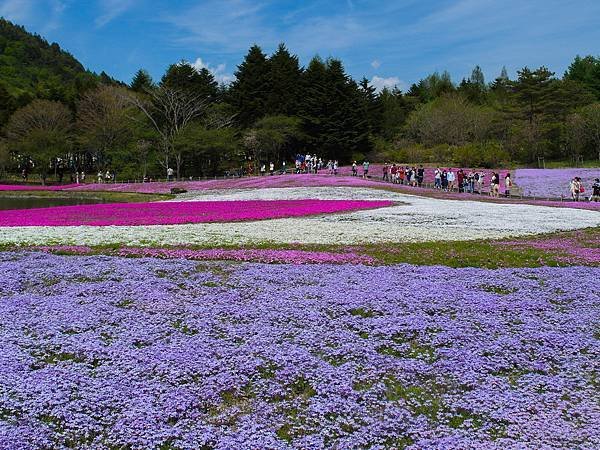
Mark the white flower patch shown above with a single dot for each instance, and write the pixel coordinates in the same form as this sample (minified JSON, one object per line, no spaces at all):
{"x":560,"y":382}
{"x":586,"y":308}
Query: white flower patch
{"x":413,"y":219}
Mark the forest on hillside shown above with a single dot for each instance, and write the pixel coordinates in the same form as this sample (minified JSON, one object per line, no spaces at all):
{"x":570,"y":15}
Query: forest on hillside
{"x":57,"y":117}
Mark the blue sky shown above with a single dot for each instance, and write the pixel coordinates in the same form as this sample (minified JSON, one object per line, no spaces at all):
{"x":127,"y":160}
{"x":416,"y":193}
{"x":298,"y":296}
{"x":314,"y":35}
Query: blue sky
{"x":389,"y":42}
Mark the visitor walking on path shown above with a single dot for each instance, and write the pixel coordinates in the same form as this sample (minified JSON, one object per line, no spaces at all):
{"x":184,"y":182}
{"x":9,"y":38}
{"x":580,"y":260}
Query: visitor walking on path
{"x":354,"y":169}
{"x":170,"y":174}
{"x":365,"y":169}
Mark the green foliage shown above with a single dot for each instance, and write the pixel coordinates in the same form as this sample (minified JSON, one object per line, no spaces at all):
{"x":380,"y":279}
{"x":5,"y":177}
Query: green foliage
{"x":184,"y":77}
{"x":142,"y":81}
{"x":586,"y":71}
{"x":208,"y":152}
{"x":333,"y":111}
{"x":432,"y":87}
{"x":31,"y":68}
{"x":485,"y":154}
{"x":285,"y":84}
{"x":451,"y":120}
{"x":39,"y":133}
{"x":248,"y":93}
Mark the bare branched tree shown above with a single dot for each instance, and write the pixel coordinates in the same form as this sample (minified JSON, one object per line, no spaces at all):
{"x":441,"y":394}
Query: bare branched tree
{"x":169,"y":112}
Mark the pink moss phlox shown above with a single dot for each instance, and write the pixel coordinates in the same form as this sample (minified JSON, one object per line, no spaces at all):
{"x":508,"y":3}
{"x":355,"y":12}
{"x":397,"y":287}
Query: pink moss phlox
{"x":172,"y":213}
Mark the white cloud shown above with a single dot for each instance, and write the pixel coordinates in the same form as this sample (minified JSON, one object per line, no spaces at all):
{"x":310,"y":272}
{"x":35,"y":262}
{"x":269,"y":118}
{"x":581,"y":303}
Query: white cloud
{"x":379,"y":83}
{"x":111,"y":9}
{"x":375,"y":64}
{"x":218,"y":72}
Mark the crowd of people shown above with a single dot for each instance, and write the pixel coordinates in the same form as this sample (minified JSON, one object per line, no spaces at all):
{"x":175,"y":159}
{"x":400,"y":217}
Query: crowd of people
{"x":577,"y":189}
{"x":447,"y":180}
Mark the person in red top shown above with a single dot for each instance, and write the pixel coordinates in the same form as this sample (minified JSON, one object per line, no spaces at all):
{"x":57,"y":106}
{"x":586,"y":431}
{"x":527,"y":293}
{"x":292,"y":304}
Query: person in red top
{"x":460,"y":178}
{"x":394,"y":171}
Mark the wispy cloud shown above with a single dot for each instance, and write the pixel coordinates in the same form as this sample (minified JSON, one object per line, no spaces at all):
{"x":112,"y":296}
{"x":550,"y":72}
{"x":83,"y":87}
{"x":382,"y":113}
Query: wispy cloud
{"x":16,"y":10}
{"x":226,"y":25}
{"x":111,"y":9}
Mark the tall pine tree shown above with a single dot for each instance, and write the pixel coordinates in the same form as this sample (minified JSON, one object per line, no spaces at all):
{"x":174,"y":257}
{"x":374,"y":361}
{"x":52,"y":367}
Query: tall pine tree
{"x":285,"y":78}
{"x":250,"y":90}
{"x":142,"y":81}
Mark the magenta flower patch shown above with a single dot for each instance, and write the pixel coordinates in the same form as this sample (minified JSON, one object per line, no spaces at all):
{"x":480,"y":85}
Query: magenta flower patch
{"x":173,"y":213}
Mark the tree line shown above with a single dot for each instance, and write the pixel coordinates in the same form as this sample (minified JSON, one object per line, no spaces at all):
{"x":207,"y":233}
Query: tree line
{"x":275,"y":109}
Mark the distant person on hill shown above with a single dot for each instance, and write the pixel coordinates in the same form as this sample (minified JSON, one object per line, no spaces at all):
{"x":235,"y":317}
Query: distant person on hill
{"x":263,"y":169}
{"x":507,"y":185}
{"x":393,"y":173}
{"x":365,"y":169}
{"x":271,"y":168}
{"x":385,"y":173}
{"x":335,"y":167}
{"x":170,"y":173}
{"x":354,"y":169}
{"x":595,"y":190}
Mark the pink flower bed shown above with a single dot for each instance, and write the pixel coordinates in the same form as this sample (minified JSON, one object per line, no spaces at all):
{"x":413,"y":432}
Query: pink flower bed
{"x":254,"y":255}
{"x":171,"y":213}
{"x":574,"y":249}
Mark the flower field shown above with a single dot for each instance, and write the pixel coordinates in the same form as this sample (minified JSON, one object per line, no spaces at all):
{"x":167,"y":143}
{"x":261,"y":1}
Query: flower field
{"x":171,"y":213}
{"x":300,"y":312}
{"x":410,"y":219}
{"x":102,"y":353}
{"x":553,"y":182}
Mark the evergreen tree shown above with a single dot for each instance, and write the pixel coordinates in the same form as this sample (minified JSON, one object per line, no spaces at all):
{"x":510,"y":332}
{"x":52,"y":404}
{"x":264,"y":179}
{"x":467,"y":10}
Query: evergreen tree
{"x":142,"y":81}
{"x":7,"y":105}
{"x":186,"y":78}
{"x":334,"y":114}
{"x":477,"y":78}
{"x":395,"y":110}
{"x":372,"y":105}
{"x":533,"y":90}
{"x":314,"y":108}
{"x":285,"y":77}
{"x":586,"y":71}
{"x":250,"y":90}
{"x":474,"y":88}
{"x":431,"y":87}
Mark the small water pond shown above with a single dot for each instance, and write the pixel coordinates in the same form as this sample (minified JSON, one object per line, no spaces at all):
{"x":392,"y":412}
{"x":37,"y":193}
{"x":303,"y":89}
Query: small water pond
{"x":28,"y":202}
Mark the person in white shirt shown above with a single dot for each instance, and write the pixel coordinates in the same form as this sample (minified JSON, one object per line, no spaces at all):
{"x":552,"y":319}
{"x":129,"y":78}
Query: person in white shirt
{"x":451,"y":179}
